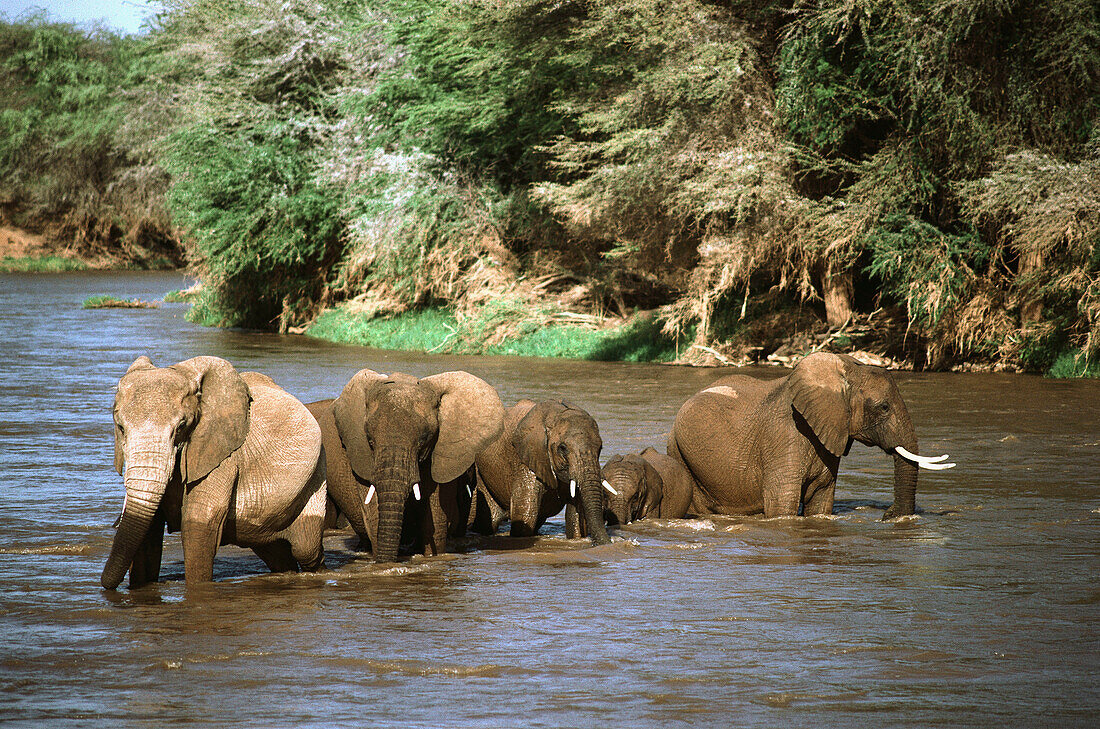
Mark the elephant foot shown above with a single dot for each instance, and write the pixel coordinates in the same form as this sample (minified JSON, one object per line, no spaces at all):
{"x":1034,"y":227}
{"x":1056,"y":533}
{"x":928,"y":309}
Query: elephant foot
{"x":277,"y":556}
{"x":522,"y":529}
{"x":896,"y":511}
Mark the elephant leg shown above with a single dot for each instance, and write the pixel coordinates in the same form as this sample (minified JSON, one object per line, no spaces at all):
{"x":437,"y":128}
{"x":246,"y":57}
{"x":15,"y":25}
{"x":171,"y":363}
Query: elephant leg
{"x":435,"y":523}
{"x":306,"y":533}
{"x":524,"y":509}
{"x":574,"y":523}
{"x":205,"y":510}
{"x":347,"y":492}
{"x":146,"y":565}
{"x":782,"y":494}
{"x":819,"y":496}
{"x":486,"y":515}
{"x":277,"y":555}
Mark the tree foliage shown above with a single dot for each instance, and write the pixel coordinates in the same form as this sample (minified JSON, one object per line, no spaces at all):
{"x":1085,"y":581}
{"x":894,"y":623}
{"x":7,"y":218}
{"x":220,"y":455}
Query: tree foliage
{"x":723,"y":162}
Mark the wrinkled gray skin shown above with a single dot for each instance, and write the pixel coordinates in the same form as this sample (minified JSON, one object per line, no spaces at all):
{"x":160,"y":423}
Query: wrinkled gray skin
{"x":394,"y":431}
{"x":223,"y":458}
{"x":647,"y":485}
{"x":526,"y":472}
{"x":769,"y":447}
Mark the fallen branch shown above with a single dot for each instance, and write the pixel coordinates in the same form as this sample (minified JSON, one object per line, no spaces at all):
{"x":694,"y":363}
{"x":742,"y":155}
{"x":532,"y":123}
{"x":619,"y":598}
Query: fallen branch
{"x":720,"y":357}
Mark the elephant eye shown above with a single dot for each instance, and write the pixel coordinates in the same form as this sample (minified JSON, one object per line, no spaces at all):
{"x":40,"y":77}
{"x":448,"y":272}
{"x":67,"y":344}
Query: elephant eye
{"x":885,"y":407}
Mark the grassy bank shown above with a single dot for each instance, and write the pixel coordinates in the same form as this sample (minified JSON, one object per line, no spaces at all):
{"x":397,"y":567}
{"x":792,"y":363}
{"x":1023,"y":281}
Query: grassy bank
{"x":1074,"y":364}
{"x":40,"y":264}
{"x":440,"y":331}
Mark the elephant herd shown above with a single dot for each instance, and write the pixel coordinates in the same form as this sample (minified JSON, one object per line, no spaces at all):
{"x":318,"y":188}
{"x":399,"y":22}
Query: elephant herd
{"x":227,"y":457}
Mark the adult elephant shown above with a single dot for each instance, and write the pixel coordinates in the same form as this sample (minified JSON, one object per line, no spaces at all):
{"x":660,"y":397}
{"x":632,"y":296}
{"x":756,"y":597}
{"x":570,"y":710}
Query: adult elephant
{"x":220,"y":456}
{"x":389,"y":438}
{"x":547,"y":457}
{"x":646,"y":485}
{"x":772,"y":446}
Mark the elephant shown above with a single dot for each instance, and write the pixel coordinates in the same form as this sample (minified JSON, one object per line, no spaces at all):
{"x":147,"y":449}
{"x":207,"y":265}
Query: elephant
{"x":221,"y":457}
{"x":389,"y":436}
{"x":649,"y":484}
{"x":775,"y":446}
{"x":546,"y":457}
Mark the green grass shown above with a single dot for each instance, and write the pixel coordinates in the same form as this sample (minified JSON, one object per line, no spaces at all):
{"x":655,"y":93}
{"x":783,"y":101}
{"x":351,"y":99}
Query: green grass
{"x":639,"y":340}
{"x":181,"y":296}
{"x":437,"y":330}
{"x":102,"y":301}
{"x":45,"y":264}
{"x":1072,"y":364}
{"x":426,"y":330}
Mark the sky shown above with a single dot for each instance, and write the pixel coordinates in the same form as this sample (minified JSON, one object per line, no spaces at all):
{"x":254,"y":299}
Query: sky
{"x":125,"y":16}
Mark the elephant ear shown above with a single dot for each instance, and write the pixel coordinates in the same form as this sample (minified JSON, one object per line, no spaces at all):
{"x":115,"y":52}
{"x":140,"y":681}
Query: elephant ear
{"x":654,"y":489}
{"x":531,"y":440}
{"x":820,"y":393}
{"x":350,"y":412}
{"x":471,"y":416}
{"x":222,"y":426}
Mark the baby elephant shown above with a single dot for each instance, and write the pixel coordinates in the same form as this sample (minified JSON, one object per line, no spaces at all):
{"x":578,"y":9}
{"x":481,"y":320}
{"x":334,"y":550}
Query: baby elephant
{"x":547,"y":457}
{"x":220,"y":456}
{"x":647,"y":485}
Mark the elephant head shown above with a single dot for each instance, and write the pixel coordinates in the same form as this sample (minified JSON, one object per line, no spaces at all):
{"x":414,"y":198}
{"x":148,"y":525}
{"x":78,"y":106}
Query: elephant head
{"x":170,"y":422}
{"x":561,"y":445}
{"x":392,"y":424}
{"x":841,"y":400}
{"x":637,"y":489}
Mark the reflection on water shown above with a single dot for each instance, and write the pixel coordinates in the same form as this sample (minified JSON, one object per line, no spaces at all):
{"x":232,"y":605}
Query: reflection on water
{"x":980,"y":611}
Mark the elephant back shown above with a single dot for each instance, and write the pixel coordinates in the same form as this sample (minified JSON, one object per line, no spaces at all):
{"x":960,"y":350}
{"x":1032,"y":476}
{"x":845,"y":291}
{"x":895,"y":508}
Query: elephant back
{"x":677,"y":484}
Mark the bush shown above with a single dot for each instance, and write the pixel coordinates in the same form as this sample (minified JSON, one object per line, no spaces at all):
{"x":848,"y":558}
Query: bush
{"x":64,"y":166}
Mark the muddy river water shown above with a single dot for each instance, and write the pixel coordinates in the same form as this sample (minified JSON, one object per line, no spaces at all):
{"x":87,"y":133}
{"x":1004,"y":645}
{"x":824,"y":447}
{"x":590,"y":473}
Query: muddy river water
{"x":983,"y":610}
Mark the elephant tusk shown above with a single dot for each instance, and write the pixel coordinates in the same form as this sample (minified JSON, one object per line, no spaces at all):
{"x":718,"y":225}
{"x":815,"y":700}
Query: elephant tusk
{"x":370,"y":495}
{"x":931,"y":463}
{"x":125,"y":500}
{"x":416,"y":491}
{"x":610,"y":489}
{"x":469,"y":491}
{"x":573,"y":489}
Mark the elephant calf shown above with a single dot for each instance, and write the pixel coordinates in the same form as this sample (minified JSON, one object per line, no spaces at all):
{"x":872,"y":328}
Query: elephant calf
{"x":646,"y":485}
{"x":547,"y":457}
{"x":220,"y":456}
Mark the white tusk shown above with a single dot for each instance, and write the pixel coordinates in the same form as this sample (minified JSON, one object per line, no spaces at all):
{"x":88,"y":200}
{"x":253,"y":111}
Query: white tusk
{"x":469,"y":491}
{"x":416,"y":491}
{"x":125,"y":499}
{"x":931,"y":463}
{"x":370,"y":495}
{"x":572,"y":489}
{"x":610,"y":488}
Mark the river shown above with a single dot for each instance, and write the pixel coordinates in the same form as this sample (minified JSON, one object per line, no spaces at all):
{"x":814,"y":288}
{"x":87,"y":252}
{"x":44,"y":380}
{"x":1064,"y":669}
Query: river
{"x":983,"y":610}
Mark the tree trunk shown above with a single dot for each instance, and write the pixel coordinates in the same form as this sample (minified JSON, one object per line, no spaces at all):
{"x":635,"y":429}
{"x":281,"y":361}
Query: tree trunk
{"x":838,"y":291}
{"x":1030,"y":263}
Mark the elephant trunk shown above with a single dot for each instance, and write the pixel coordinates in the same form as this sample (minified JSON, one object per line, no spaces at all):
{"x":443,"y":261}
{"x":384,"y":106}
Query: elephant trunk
{"x":146,"y":481}
{"x":396,"y":472}
{"x":618,"y":508}
{"x":905,"y":474}
{"x":586,"y":469}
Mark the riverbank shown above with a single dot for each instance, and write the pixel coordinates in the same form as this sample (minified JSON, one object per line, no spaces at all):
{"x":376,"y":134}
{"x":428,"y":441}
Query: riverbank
{"x":23,"y":250}
{"x":780,"y":341}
